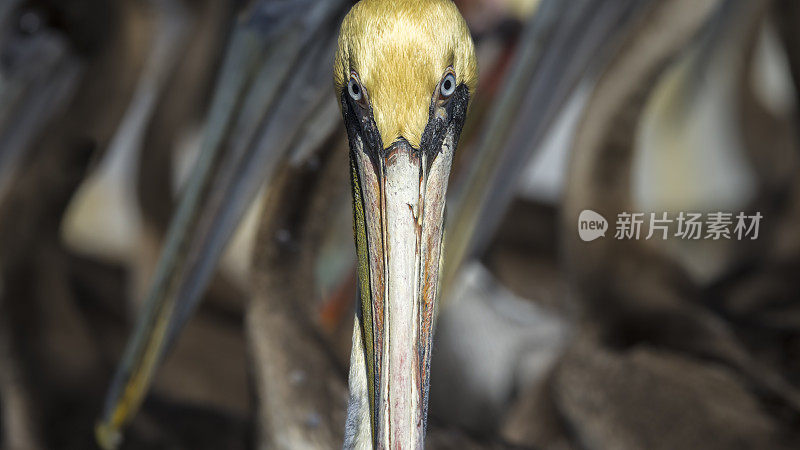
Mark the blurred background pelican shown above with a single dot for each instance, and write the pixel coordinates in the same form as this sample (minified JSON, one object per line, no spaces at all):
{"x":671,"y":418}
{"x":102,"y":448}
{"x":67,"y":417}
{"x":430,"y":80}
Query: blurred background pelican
{"x":176,"y":238}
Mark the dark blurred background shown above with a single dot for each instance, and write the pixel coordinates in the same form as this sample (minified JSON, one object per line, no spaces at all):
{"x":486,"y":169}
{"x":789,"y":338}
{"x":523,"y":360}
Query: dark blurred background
{"x":116,"y":114}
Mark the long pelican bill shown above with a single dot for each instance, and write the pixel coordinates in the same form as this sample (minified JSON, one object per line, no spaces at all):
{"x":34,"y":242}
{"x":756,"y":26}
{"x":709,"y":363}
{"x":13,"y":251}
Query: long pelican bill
{"x":404,"y":73}
{"x":399,"y":221}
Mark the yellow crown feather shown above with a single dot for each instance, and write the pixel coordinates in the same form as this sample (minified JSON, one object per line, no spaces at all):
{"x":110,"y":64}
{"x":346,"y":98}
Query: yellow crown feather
{"x":400,"y":50}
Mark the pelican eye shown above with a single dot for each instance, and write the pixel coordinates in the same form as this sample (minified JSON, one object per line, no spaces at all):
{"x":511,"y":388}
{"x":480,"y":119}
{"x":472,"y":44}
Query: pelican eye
{"x":448,"y":86}
{"x":356,"y":91}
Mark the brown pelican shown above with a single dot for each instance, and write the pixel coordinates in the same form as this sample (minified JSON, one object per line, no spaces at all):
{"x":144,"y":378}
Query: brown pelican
{"x":251,"y":131}
{"x":404,"y":72}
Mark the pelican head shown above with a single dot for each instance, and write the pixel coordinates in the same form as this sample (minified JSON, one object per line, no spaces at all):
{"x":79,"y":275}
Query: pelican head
{"x":404,"y":72}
